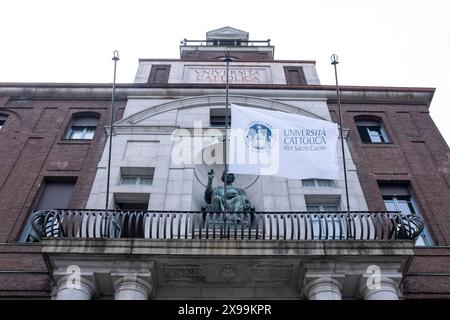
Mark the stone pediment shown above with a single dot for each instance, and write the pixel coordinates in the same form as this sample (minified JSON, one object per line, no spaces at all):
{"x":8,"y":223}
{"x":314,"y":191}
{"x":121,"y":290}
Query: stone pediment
{"x":227,"y":33}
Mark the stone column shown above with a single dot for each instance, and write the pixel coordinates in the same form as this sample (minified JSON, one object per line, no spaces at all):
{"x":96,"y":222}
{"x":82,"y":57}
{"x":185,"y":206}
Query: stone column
{"x":323,"y":288}
{"x":385,"y":289}
{"x":132,"y":287}
{"x":67,"y":289}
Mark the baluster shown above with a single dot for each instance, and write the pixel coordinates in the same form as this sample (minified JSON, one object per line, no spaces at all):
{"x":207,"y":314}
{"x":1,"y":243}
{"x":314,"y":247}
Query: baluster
{"x":310,"y":218}
{"x":180,"y":220}
{"x":207,"y":225}
{"x":326,"y":216}
{"x":186,"y":225}
{"x":158,"y":221}
{"x":270,"y":226}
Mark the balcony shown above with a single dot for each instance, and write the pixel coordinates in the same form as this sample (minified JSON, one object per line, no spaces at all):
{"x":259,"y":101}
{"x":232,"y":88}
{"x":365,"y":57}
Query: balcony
{"x":245,"y":255}
{"x":198,"y":225}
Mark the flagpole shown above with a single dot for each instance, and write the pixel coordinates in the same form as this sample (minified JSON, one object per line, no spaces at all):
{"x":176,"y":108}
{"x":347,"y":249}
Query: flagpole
{"x":115,"y":58}
{"x":227,"y":85}
{"x":334,"y":62}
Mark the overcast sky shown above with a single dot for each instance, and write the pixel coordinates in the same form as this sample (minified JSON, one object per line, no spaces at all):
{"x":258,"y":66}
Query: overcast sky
{"x":385,"y":43}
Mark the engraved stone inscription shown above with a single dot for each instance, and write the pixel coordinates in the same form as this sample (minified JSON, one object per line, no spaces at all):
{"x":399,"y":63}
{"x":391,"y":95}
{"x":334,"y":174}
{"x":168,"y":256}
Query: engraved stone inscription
{"x":192,"y":273}
{"x":217,"y":74}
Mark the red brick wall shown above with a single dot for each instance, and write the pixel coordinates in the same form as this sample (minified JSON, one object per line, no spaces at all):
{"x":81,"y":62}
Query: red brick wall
{"x":32,"y":147}
{"x":418,"y":154}
{"x":429,"y":274}
{"x":23,"y":272}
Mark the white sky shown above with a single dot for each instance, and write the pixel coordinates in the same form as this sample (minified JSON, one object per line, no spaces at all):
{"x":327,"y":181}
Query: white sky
{"x":384,"y":42}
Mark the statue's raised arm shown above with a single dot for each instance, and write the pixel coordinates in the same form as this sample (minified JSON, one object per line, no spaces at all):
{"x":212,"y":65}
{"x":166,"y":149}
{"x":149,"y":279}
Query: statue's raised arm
{"x":209,"y":189}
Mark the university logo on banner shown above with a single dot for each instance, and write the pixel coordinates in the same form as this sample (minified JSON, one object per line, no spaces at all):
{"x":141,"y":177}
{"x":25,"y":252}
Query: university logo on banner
{"x":264,"y":142}
{"x":258,"y":136}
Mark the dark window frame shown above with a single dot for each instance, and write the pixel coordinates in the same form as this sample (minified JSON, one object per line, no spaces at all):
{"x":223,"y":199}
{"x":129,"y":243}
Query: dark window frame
{"x":371,"y":130}
{"x":87,"y":131}
{"x":404,"y":195}
{"x":3,"y":118}
{"x":131,"y":201}
{"x":217,"y":117}
{"x":28,"y":234}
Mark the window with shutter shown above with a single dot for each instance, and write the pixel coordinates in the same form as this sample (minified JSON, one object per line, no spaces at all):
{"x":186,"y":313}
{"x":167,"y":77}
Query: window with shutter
{"x":54,"y":195}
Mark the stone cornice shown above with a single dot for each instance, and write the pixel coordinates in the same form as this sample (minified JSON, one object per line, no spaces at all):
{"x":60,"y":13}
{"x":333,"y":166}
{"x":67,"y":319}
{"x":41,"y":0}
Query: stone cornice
{"x":349,"y":94}
{"x":342,"y":248}
{"x":216,"y":61}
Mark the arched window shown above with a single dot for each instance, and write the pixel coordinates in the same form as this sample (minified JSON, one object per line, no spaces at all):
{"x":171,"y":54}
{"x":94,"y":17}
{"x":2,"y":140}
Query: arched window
{"x":371,"y":130}
{"x":82,"y":127}
{"x":3,"y":118}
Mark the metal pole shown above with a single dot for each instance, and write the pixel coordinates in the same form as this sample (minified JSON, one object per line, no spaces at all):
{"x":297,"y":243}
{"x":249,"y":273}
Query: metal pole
{"x":334,"y":62}
{"x":115,"y":58}
{"x":227,"y":85}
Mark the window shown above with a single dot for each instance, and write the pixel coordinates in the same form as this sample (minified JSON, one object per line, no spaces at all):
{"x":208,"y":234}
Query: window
{"x":318,"y":202}
{"x":136,"y":176}
{"x":317,"y":183}
{"x":217,"y":117}
{"x":371,"y":131}
{"x":131,"y":201}
{"x":294,"y":75}
{"x":82,"y":127}
{"x":54,"y":195}
{"x":131,"y":226}
{"x":3,"y":118}
{"x":321,"y":203}
{"x":136,"y":181}
{"x":398,"y":198}
{"x":159,"y":73}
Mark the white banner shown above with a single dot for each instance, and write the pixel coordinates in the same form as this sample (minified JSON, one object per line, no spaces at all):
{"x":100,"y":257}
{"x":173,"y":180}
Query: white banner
{"x":264,"y":142}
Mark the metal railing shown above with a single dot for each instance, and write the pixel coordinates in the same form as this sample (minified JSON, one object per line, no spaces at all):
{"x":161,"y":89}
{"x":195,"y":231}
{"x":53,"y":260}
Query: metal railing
{"x":225,"y":43}
{"x":86,"y":223}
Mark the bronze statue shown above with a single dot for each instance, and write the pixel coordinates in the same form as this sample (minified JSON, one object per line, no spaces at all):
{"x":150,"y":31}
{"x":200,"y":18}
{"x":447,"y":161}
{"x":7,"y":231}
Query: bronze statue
{"x":236,"y":198}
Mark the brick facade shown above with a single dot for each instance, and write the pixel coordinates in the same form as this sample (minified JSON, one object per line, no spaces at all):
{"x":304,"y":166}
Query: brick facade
{"x":32,"y":149}
{"x":419,"y":155}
